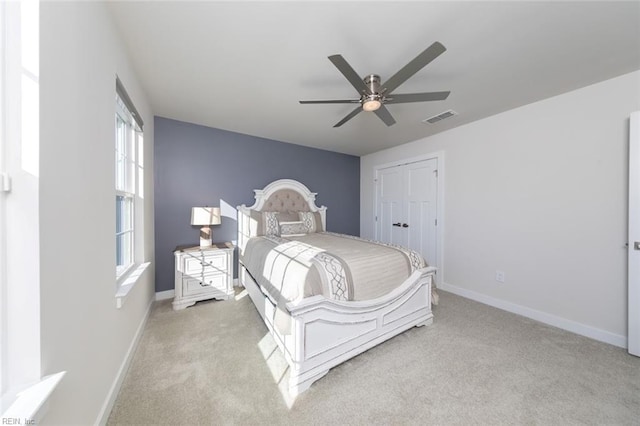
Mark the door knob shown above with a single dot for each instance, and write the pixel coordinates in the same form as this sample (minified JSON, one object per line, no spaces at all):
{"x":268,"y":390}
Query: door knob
{"x":404,"y":225}
{"x":397,"y":224}
{"x":636,"y":245}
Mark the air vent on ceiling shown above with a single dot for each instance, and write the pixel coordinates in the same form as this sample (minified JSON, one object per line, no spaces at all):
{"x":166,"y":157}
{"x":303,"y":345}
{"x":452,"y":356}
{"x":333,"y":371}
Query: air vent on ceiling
{"x":441,"y":116}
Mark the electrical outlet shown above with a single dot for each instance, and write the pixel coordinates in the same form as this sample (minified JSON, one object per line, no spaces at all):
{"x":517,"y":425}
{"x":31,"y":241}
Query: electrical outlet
{"x":500,"y":276}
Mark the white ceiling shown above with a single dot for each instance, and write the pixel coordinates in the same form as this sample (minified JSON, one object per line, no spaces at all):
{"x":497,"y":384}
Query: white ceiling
{"x":243,"y":66}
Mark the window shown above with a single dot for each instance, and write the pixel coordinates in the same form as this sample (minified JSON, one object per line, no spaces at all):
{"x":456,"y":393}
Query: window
{"x":129,"y":195}
{"x":19,"y":143}
{"x":125,"y":184}
{"x":128,"y":180}
{"x":23,"y":390}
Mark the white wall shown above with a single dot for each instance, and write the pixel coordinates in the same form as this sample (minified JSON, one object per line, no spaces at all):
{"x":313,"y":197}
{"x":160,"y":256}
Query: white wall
{"x":539,"y":192}
{"x":82,"y":332}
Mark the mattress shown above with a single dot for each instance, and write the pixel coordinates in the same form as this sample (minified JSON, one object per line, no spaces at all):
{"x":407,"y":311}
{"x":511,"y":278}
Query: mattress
{"x":336,"y":266}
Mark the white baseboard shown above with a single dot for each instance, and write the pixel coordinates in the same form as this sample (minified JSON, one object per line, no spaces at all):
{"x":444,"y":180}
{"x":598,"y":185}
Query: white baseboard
{"x":103,"y":416}
{"x":543,"y":317}
{"x":164,"y":295}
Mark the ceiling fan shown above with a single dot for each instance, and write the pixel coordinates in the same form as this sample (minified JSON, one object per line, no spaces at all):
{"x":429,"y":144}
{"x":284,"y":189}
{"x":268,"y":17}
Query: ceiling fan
{"x":373,"y":95}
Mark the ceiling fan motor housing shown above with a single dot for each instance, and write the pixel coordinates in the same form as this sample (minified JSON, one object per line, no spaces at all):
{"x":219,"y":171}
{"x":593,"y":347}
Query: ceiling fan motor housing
{"x":373,"y":83}
{"x":373,"y":100}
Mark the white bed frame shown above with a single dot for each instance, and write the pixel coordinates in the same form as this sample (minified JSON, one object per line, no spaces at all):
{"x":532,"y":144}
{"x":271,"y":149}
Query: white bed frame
{"x":324,"y":332}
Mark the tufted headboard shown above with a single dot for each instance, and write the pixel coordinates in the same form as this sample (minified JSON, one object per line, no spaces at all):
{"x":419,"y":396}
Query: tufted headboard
{"x":284,"y":195}
{"x":286,"y":200}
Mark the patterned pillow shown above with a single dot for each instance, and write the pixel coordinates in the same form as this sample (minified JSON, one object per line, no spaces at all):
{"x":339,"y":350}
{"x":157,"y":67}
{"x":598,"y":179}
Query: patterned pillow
{"x":292,"y":229}
{"x":312,"y":221}
{"x":270,"y":224}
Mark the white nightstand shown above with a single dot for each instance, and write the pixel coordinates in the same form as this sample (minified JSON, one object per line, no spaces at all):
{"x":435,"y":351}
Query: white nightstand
{"x":203,"y":273}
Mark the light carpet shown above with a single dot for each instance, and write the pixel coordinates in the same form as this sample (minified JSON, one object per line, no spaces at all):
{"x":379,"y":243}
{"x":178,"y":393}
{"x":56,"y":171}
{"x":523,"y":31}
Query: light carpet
{"x":214,"y":363}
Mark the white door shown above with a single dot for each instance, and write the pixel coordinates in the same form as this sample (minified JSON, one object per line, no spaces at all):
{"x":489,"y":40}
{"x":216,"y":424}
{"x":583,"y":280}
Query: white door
{"x":421,"y":212}
{"x":390,"y":206}
{"x":407,"y":207}
{"x":634,"y":235}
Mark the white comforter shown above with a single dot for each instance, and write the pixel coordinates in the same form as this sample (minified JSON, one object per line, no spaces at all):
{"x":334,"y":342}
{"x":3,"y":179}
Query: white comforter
{"x":337,"y":266}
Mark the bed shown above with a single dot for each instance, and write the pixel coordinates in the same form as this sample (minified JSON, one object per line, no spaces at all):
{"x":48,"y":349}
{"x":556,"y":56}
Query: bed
{"x":321,"y":319}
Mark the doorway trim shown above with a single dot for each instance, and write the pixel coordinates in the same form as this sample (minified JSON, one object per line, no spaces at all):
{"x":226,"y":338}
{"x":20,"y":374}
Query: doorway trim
{"x":633,"y":327}
{"x":439,"y":157}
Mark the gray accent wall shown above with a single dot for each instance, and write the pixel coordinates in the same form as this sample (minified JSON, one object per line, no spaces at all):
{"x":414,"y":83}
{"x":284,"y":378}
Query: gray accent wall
{"x":201,"y":166}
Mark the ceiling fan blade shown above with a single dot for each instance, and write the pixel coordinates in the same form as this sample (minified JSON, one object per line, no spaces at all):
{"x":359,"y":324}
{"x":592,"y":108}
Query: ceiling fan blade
{"x":333,"y":101}
{"x":346,"y":70}
{"x":348,"y":117}
{"x":416,"y":97}
{"x":419,"y":62}
{"x":384,"y":115}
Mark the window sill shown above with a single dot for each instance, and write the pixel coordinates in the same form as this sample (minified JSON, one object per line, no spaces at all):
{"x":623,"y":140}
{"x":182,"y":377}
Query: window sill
{"x":29,"y":404}
{"x":128,"y":281}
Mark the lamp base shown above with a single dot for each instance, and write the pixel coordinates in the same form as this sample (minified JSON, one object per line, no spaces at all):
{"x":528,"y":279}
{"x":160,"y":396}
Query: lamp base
{"x":205,"y":236}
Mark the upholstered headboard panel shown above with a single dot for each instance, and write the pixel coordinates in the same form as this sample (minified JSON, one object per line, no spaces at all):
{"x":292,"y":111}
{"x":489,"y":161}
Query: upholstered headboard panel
{"x":284,"y":195}
{"x":286,"y":200}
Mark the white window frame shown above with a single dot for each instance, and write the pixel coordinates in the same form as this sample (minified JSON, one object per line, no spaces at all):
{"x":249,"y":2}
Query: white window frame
{"x":126,"y":148}
{"x":129,"y":184}
{"x":5,"y":181}
{"x":24,"y":392}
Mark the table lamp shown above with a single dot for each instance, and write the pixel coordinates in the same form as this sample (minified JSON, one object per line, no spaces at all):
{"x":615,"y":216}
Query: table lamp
{"x":205,"y":216}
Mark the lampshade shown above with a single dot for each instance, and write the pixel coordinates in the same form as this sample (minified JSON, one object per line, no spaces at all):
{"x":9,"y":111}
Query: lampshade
{"x":205,"y":216}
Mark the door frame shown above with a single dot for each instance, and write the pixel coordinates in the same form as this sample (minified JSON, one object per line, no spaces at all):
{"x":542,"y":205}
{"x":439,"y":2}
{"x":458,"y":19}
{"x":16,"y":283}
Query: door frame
{"x":633,"y":333}
{"x":439,"y":157}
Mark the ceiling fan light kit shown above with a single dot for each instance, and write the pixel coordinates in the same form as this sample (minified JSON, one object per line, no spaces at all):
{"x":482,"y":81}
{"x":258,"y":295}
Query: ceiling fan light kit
{"x":373,"y":94}
{"x":371,"y":105}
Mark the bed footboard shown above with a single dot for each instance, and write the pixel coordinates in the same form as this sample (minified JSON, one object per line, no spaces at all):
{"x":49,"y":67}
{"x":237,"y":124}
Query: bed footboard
{"x":325,"y":332}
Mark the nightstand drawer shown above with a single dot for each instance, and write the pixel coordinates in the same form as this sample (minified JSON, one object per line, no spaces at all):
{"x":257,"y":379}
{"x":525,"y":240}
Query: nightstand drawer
{"x":191,"y":285}
{"x":210,"y":262}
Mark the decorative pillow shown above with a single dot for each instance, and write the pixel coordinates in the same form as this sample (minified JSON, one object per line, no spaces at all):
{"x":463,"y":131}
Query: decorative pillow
{"x":288,"y":216}
{"x":270,"y":225}
{"x":292,"y":229}
{"x":312,"y":221}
